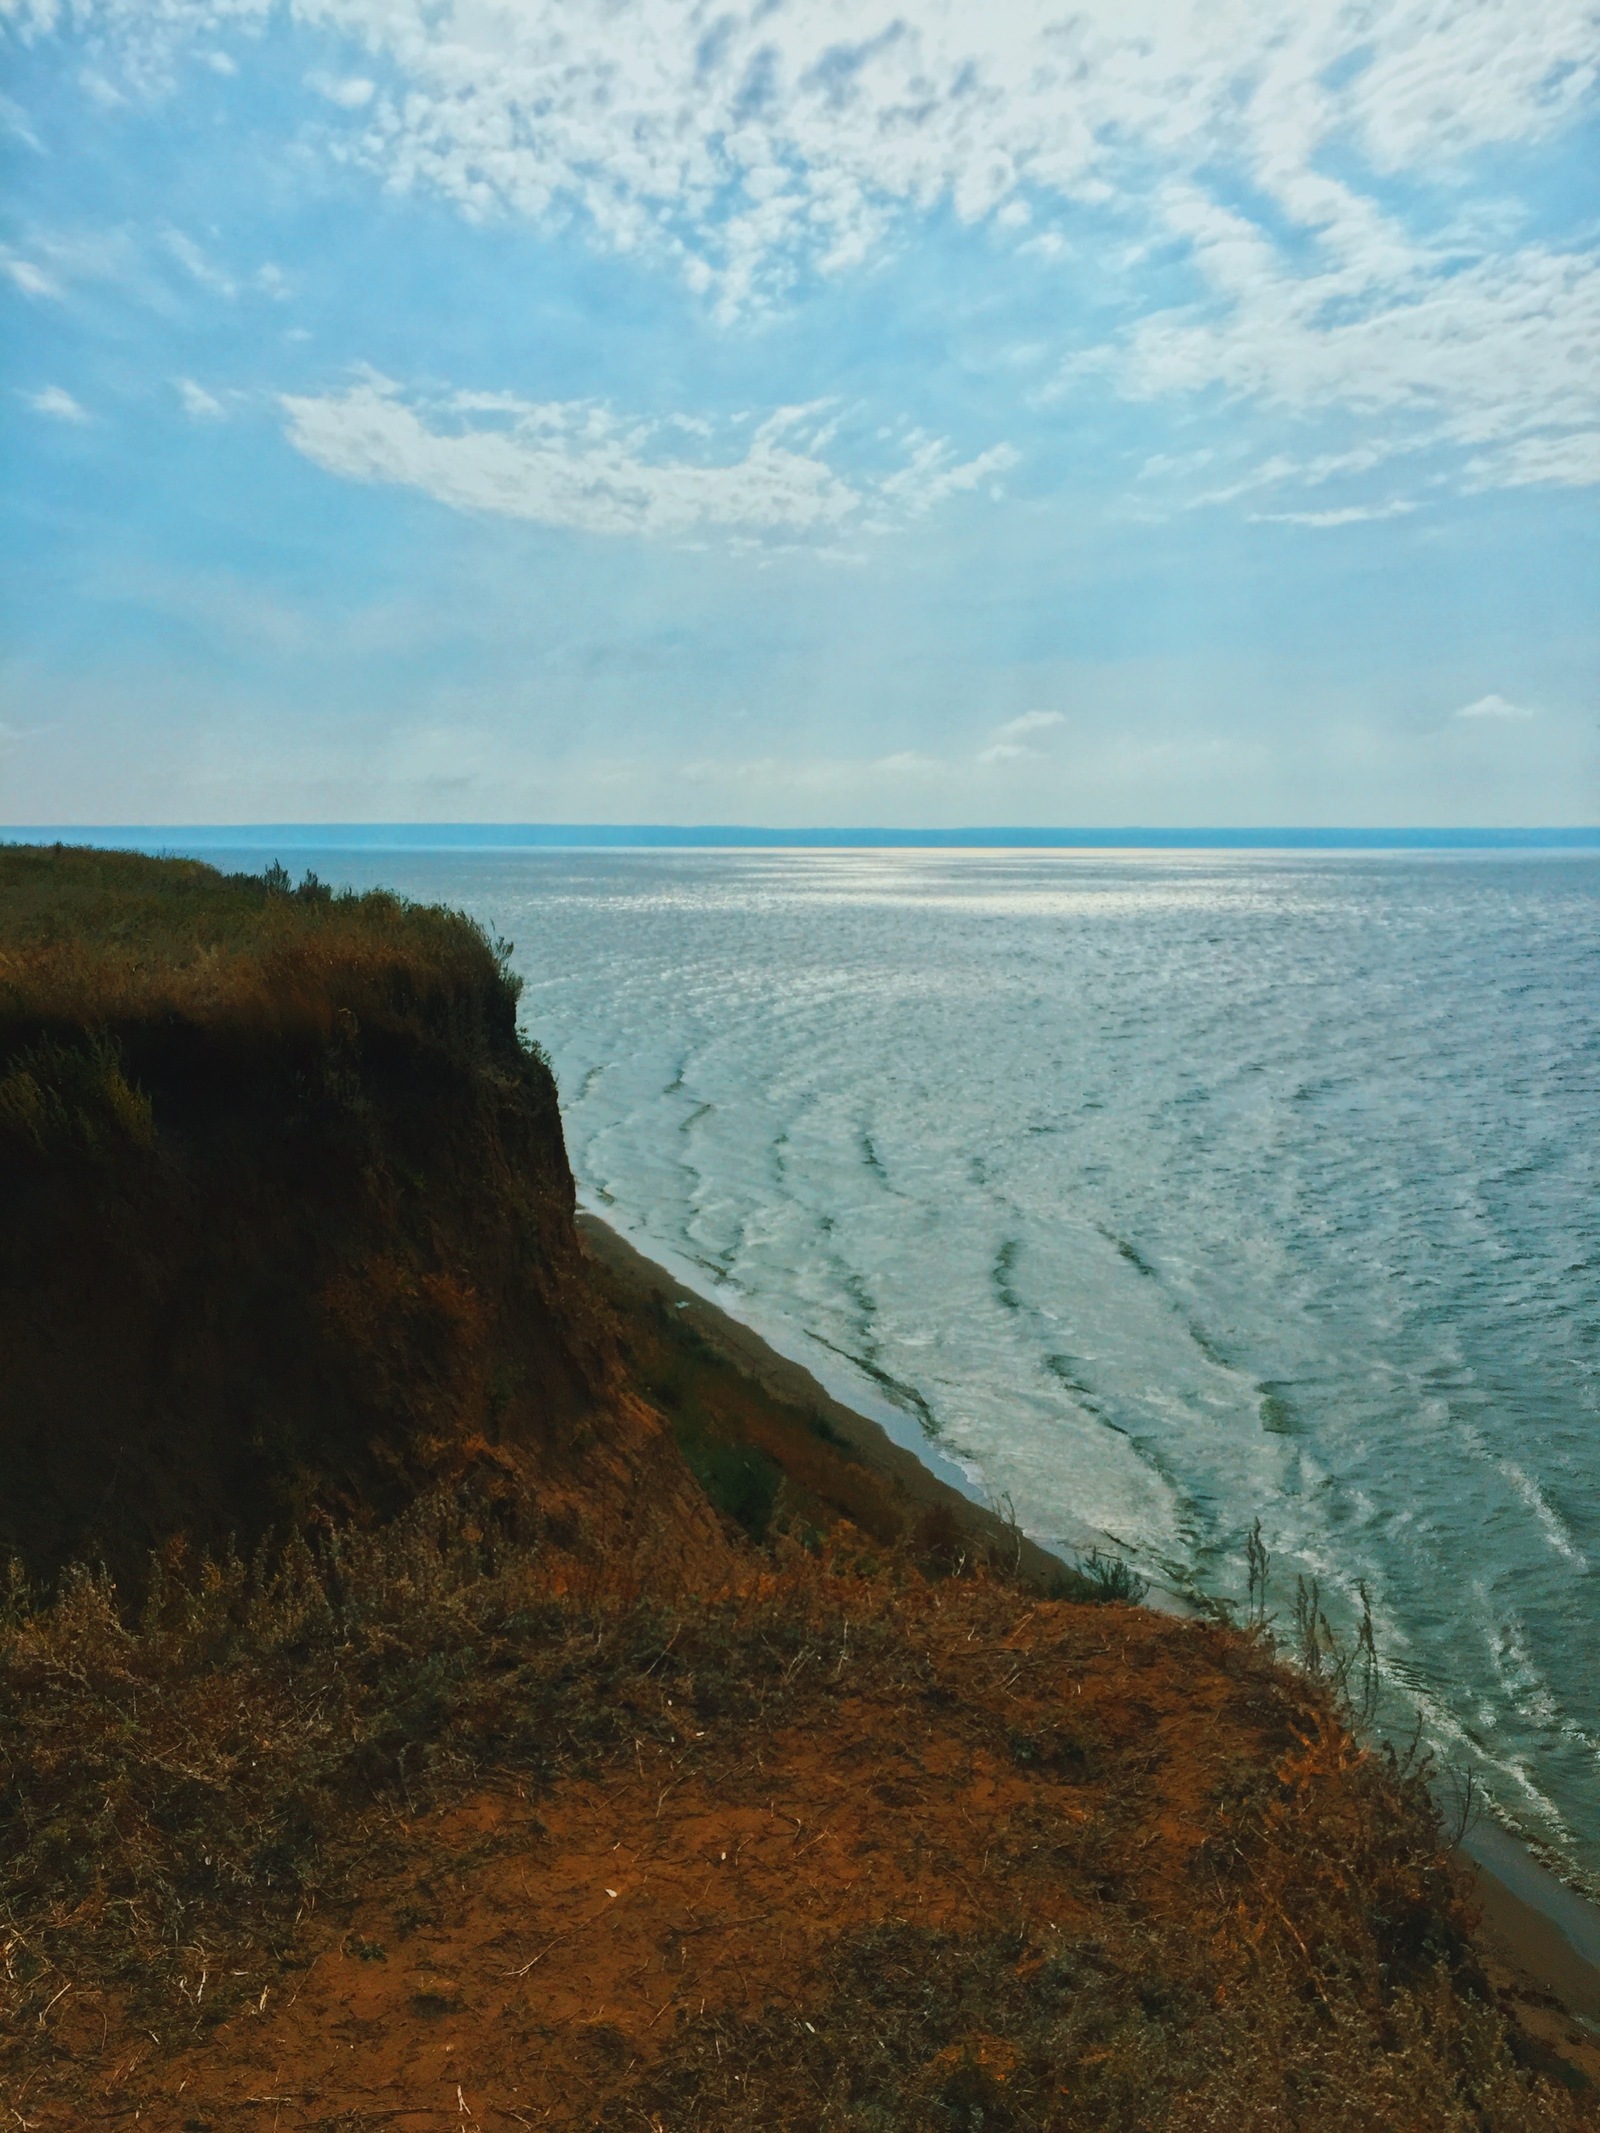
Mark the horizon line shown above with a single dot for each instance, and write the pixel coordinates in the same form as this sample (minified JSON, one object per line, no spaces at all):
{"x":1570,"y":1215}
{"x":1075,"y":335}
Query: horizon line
{"x":513,"y":836}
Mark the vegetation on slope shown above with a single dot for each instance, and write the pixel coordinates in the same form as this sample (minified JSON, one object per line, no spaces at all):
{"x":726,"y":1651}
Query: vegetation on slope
{"x":508,"y":1777}
{"x":285,"y":1218}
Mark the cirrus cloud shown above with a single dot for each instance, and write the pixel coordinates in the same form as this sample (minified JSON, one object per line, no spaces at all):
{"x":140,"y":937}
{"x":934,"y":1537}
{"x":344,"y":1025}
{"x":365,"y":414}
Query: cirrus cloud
{"x":1293,"y":163}
{"x":577,"y":464}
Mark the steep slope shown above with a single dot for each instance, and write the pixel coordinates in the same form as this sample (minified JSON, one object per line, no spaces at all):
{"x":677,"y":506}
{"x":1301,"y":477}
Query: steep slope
{"x":286,"y":1224}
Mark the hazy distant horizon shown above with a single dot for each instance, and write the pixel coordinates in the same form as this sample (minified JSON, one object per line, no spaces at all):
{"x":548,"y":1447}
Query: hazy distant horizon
{"x":562,"y":836}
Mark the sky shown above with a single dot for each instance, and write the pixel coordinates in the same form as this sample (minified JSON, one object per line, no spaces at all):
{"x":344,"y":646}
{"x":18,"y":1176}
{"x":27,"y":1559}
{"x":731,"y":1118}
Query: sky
{"x":796,"y":413}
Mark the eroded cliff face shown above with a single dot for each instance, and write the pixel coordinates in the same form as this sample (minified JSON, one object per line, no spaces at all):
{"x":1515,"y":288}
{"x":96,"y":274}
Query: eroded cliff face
{"x":286,"y":1231}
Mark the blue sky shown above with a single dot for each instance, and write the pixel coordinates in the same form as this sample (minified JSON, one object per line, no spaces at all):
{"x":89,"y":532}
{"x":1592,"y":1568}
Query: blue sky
{"x":502,"y":409}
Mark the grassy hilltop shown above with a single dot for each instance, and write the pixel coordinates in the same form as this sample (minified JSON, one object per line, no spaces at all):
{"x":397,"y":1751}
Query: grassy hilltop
{"x":438,"y":1689}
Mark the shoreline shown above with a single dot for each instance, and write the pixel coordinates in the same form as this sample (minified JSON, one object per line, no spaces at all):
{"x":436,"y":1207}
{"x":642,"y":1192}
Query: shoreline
{"x":1540,"y":1936}
{"x":789,"y":1382}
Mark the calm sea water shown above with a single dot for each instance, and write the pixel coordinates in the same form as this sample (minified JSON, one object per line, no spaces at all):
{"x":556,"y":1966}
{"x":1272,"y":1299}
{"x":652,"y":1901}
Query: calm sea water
{"x":1169,"y":1192}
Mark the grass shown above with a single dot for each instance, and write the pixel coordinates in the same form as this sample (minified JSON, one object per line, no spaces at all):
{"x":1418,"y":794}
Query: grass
{"x":268,"y":1738}
{"x":95,"y":941}
{"x":1120,"y":2031}
{"x":130,"y":986}
{"x":281,"y":1162}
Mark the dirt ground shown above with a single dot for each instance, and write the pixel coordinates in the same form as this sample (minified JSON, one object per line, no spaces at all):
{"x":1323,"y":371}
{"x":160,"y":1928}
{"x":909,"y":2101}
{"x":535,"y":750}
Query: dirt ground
{"x":532,"y":1960}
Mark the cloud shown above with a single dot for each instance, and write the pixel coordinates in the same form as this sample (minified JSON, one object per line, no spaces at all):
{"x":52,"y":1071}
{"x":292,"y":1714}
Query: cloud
{"x":777,"y":134}
{"x":14,"y":120}
{"x":1010,"y":742}
{"x":1571,"y":462}
{"x":1346,"y":515}
{"x":935,"y":473}
{"x":100,"y":91}
{"x":577,"y":464}
{"x":31,"y":280}
{"x":1293,"y":161}
{"x":198,"y":403}
{"x":195,"y":263}
{"x":1503,"y":352}
{"x":351,"y":93}
{"x":58,"y":404}
{"x":1494,"y":707}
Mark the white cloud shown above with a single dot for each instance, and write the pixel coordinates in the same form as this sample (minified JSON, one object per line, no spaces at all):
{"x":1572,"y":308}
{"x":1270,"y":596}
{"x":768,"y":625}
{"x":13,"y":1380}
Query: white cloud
{"x":1016,"y":729}
{"x":765,"y":132}
{"x":762,"y":143}
{"x":198,"y":403}
{"x":577,"y":464}
{"x":1503,"y":353}
{"x":15,"y":121}
{"x":1494,"y":707}
{"x":195,"y":263}
{"x":100,"y":91}
{"x":935,"y":473}
{"x":58,"y":404}
{"x":1345,"y":515}
{"x":31,"y":280}
{"x":351,"y":92}
{"x":1010,"y":744}
{"x":1571,"y":461}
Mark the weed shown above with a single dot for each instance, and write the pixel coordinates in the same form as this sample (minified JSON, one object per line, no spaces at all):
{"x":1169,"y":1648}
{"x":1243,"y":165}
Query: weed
{"x":1100,"y":1580}
{"x":268,"y":1729}
{"x":72,"y":1100}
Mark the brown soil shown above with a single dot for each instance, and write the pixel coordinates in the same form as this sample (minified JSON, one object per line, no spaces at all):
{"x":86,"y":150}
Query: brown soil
{"x":1072,"y":1778}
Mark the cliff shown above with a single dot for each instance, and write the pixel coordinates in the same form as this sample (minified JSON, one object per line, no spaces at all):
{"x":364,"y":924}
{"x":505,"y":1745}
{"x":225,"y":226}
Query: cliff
{"x":443,"y":1682}
{"x":286,"y":1226}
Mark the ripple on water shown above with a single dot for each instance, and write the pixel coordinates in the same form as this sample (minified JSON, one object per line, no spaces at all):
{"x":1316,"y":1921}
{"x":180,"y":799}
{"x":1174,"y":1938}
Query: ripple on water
{"x":1169,"y":1190}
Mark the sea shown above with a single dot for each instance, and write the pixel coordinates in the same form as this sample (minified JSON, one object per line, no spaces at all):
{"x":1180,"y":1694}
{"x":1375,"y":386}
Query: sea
{"x":1162,"y":1193}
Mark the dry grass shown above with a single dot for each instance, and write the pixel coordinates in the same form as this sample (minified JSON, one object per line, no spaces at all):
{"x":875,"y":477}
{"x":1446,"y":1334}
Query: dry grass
{"x":94,"y":942}
{"x":1167,"y":1889}
{"x":285,"y":1213}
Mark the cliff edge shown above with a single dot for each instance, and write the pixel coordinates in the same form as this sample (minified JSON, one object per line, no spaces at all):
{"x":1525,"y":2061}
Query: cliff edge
{"x":286,"y":1225}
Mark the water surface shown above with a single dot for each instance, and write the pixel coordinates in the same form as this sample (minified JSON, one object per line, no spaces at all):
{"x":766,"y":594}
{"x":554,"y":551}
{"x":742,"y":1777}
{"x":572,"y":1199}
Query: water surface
{"x":1168,"y":1191}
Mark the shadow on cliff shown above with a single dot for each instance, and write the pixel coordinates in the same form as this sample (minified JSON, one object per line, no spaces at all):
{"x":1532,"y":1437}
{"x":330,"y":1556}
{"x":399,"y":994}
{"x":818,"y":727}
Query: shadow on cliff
{"x":286,"y":1225}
